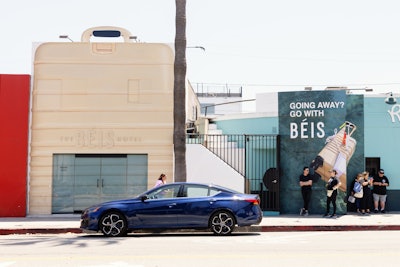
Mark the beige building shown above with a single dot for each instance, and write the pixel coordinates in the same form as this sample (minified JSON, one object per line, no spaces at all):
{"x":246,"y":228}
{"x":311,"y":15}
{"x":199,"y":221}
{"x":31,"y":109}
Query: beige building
{"x":102,"y":121}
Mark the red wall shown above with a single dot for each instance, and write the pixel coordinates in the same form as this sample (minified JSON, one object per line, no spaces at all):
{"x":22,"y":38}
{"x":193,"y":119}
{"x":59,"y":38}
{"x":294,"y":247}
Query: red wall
{"x":14,"y":124}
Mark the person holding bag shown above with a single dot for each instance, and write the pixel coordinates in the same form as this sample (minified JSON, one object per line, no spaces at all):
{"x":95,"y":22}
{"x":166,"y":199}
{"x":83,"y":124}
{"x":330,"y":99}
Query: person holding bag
{"x":358,"y":190}
{"x":331,"y":194}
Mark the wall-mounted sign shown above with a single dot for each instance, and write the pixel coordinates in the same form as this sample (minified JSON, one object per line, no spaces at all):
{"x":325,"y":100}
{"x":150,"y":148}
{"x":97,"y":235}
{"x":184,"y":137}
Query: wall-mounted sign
{"x":318,"y":131}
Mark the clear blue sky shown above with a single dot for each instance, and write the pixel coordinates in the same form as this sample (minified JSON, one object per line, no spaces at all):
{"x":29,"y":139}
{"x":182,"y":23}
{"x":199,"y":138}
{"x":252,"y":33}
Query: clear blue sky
{"x":264,"y":45}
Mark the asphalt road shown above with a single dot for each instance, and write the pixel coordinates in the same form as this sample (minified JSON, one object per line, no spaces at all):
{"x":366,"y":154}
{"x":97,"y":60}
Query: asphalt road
{"x":355,"y":248}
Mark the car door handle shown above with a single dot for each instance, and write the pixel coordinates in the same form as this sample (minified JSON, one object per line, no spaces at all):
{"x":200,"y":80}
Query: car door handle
{"x":171,"y":205}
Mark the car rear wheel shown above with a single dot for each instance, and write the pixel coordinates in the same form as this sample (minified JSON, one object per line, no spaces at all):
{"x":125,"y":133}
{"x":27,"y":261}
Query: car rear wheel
{"x":222,"y":223}
{"x":113,"y":224}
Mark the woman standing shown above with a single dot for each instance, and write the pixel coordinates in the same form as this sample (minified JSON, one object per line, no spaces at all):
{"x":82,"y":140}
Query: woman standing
{"x":161,"y":180}
{"x":367,"y":195}
{"x":358,"y":191}
{"x":332,"y":186}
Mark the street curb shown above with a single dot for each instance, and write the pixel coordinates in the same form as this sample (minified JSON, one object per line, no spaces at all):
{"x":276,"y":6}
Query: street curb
{"x":40,"y":231}
{"x":253,"y":229}
{"x":329,"y":228}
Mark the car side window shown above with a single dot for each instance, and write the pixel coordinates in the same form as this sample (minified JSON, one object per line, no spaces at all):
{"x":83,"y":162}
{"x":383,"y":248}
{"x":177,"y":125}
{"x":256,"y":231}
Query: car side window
{"x":199,"y":191}
{"x":165,"y":192}
{"x":214,"y":191}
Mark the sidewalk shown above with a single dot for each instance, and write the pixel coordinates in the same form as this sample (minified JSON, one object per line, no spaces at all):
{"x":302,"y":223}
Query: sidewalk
{"x":55,"y":224}
{"x":348,"y":222}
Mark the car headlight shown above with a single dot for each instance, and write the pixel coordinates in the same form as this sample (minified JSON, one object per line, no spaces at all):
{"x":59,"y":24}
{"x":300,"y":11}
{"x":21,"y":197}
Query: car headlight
{"x":95,"y":209}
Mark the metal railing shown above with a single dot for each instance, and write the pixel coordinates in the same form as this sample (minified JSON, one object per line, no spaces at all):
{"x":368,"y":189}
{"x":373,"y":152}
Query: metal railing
{"x":253,"y":156}
{"x":217,"y":90}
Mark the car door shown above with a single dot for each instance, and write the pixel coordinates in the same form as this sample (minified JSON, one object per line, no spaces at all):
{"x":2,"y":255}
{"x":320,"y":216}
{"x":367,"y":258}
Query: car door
{"x":159,"y":209}
{"x":196,"y":204}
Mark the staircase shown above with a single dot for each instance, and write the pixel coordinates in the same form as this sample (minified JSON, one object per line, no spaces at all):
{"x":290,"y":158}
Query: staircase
{"x":226,"y":148}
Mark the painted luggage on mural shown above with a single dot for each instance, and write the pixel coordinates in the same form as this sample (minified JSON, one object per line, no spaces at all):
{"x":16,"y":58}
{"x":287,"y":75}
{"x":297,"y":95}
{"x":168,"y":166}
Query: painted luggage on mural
{"x":336,"y":154}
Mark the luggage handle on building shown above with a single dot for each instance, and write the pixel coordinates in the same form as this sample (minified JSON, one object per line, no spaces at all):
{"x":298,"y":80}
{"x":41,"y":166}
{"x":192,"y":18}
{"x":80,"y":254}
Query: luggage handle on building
{"x":108,"y":32}
{"x":350,"y":127}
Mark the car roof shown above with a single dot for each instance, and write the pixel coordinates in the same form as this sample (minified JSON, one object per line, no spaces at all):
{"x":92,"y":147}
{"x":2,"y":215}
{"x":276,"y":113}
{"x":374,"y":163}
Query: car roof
{"x":204,"y":184}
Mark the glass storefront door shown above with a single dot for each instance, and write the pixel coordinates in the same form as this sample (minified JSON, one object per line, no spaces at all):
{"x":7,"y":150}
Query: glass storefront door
{"x":85,"y":179}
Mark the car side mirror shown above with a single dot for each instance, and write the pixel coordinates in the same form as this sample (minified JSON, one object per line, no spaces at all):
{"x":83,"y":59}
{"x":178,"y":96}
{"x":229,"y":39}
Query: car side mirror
{"x":143,"y":198}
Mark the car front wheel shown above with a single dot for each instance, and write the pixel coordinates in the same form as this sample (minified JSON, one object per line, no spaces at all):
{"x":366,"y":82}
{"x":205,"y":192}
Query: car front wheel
{"x":222,"y":223}
{"x":113,"y":224}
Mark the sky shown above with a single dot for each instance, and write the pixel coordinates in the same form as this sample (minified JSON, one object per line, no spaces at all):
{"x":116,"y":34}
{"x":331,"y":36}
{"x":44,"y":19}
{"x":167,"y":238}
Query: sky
{"x":261,"y":45}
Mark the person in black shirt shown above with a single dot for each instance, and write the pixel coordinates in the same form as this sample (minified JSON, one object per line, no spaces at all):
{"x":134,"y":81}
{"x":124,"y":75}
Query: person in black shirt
{"x":379,"y":191}
{"x":305,"y":181}
{"x":332,"y":186}
{"x":367,"y":195}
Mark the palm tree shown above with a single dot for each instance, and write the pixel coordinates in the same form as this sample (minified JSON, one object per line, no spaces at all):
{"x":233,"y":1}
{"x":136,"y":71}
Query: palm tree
{"x":179,"y":92}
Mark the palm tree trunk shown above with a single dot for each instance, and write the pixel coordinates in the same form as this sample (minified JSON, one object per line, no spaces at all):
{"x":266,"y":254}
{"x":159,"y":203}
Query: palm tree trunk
{"x":179,"y":92}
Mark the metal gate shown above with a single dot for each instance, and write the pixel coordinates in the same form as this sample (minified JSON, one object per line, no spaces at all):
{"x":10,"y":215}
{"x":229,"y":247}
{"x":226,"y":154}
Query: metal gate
{"x":256,"y":157}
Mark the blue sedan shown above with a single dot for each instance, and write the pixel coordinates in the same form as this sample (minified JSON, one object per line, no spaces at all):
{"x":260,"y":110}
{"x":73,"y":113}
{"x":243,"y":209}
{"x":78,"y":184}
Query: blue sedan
{"x":175,"y":206}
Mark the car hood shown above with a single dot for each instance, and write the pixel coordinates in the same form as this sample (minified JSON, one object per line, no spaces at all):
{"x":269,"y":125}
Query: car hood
{"x":118,"y":202}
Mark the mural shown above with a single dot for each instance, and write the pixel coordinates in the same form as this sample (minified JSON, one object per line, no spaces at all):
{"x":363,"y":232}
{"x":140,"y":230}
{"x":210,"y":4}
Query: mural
{"x":336,"y":154}
{"x":322,"y":130}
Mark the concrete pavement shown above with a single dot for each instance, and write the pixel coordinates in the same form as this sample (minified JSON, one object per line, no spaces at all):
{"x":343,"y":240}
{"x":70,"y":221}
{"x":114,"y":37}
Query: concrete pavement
{"x":348,"y":222}
{"x":53,"y":224}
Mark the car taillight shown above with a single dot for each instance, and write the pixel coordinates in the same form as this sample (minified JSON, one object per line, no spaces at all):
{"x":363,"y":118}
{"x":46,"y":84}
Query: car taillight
{"x":254,"y":201}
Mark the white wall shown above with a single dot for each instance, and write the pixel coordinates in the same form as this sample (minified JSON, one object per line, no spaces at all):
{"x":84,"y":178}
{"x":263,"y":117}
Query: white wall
{"x":205,"y":167}
{"x":232,"y":108}
{"x":267,"y":103}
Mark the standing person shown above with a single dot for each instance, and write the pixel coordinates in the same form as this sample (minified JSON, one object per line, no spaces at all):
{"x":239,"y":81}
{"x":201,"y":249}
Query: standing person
{"x":367,"y":195}
{"x":379,"y":191}
{"x":305,"y":181}
{"x":352,"y":191}
{"x":357,"y":190}
{"x":332,"y":186}
{"x":161,"y":180}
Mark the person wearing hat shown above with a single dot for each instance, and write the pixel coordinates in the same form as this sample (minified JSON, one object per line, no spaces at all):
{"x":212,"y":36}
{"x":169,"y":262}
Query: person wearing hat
{"x":332,"y":186}
{"x":379,"y":191}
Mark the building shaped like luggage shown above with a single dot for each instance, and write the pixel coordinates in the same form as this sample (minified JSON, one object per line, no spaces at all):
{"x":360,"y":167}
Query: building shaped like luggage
{"x":102,"y":122}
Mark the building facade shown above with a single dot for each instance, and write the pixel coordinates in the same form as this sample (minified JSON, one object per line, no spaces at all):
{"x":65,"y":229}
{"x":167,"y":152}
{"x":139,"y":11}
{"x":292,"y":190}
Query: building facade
{"x":102,"y":123}
{"x":306,"y":121}
{"x":14,"y":121}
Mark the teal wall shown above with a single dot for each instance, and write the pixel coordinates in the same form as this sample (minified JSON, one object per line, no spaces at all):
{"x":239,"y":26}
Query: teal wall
{"x":382,"y":137}
{"x":382,"y":140}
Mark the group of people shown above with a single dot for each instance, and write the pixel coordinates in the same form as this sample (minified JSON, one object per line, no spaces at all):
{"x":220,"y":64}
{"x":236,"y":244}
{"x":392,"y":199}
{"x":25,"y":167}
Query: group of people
{"x":363,"y":189}
{"x":371,"y":187}
{"x":361,"y":192}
